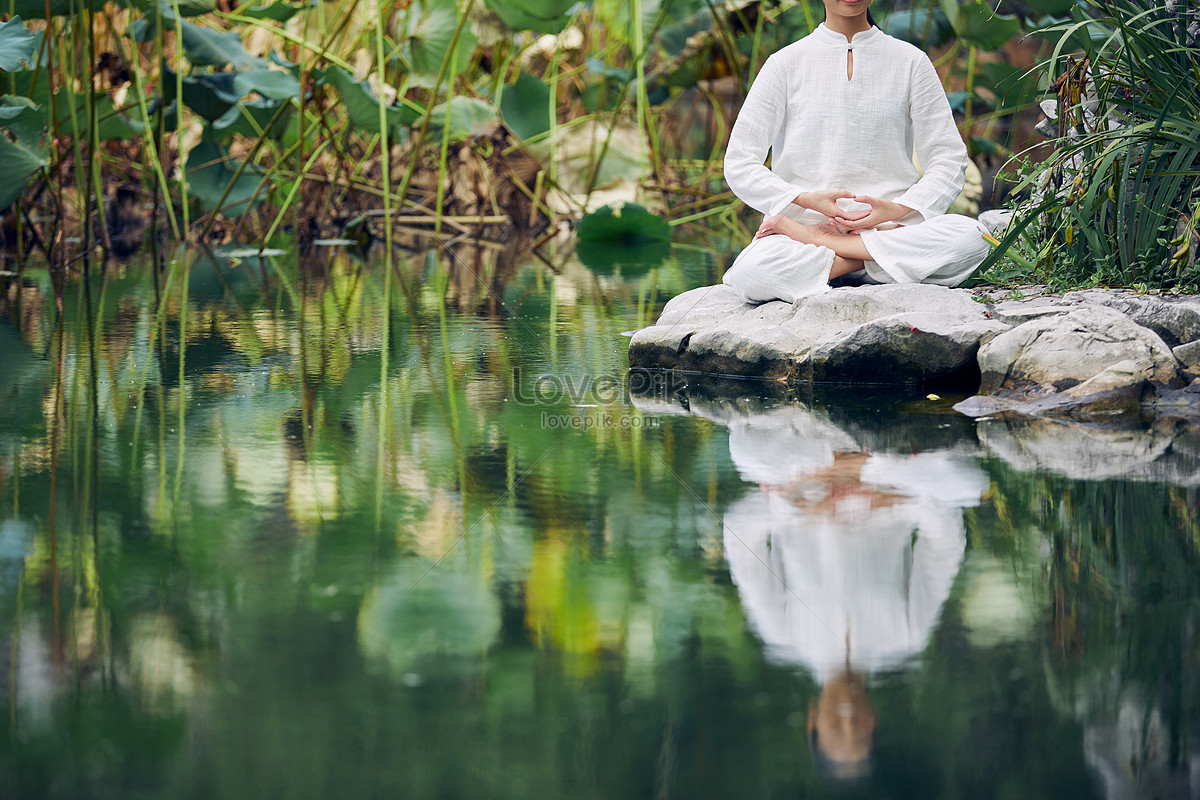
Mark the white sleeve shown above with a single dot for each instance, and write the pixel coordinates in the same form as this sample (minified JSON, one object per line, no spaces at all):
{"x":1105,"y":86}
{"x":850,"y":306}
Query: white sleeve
{"x":755,"y":130}
{"x":940,"y":148}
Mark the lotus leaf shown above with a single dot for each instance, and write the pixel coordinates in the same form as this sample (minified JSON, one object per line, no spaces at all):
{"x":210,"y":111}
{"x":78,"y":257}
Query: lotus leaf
{"x":16,"y":46}
{"x":542,"y":16}
{"x":362,"y":104}
{"x":526,"y":106}
{"x":36,"y":9}
{"x":278,"y":11}
{"x":430,"y":32}
{"x":979,"y":25}
{"x":111,"y":124}
{"x":209,"y":95}
{"x":623,"y":223}
{"x":252,"y":118}
{"x":1054,"y":8}
{"x":272,"y":84}
{"x":216,"y":48}
{"x":210,"y":175}
{"x":924,"y":27}
{"x":466,"y":116}
{"x":24,"y":119}
{"x":17,"y":163}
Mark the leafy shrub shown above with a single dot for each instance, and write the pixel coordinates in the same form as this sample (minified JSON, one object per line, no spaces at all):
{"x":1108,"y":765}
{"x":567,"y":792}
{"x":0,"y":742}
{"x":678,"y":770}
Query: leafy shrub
{"x":1117,"y":202}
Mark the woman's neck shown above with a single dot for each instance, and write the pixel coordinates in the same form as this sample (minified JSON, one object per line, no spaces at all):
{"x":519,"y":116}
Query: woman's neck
{"x":847,"y":26}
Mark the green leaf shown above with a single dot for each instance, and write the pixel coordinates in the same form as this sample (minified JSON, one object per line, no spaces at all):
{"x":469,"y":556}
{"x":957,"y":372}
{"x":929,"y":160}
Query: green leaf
{"x":36,"y":9}
{"x":111,"y":124}
{"x":924,"y":27}
{"x":216,"y":48}
{"x":466,"y":116}
{"x":209,"y":95}
{"x":603,"y":92}
{"x":210,"y":171}
{"x":526,"y":106}
{"x":187,"y":8}
{"x":363,"y":106}
{"x":278,"y":11}
{"x":1055,"y":8}
{"x":988,"y":147}
{"x":252,"y":118}
{"x":272,"y":84}
{"x":430,"y":31}
{"x":977,"y":24}
{"x":623,"y":223}
{"x":16,"y":46}
{"x":25,"y":119}
{"x":1015,"y":88}
{"x":17,"y":163}
{"x":542,"y":16}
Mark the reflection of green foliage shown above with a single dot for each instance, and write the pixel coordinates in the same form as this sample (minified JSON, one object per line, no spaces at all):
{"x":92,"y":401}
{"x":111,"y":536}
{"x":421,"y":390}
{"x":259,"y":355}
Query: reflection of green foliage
{"x":261,"y":472}
{"x":407,"y":619}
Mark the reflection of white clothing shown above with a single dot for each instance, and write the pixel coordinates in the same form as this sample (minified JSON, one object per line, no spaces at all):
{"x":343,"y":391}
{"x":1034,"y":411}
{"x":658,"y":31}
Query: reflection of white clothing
{"x":811,"y":579}
{"x":827,"y":131}
{"x":782,"y":445}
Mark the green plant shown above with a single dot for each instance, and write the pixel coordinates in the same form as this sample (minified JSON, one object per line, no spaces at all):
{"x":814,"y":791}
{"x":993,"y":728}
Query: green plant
{"x":1117,"y":201}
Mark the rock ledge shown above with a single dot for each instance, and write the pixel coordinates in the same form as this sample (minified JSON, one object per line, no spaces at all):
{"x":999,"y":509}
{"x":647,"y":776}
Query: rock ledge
{"x":1026,"y":354}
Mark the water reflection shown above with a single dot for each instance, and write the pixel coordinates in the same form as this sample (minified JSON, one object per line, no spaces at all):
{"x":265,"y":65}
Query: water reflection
{"x":864,"y":562}
{"x":264,"y":531}
{"x":843,"y":557}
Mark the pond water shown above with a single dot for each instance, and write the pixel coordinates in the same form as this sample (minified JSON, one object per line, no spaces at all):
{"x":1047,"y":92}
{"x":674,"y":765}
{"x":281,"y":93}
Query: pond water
{"x":314,"y":528}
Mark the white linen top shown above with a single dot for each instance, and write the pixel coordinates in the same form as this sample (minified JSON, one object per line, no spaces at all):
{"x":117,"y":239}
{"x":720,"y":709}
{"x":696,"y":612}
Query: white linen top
{"x":825,"y":131}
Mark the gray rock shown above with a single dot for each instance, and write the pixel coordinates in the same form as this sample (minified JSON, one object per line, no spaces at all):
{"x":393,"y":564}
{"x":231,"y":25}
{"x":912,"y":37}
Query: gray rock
{"x":1056,"y":353}
{"x":1090,"y":351}
{"x":1175,"y":320}
{"x":1188,"y":356}
{"x":923,"y":348}
{"x":1092,"y":359}
{"x":1015,"y":312}
{"x":860,"y":334}
{"x":734,"y":337}
{"x":841,"y":309}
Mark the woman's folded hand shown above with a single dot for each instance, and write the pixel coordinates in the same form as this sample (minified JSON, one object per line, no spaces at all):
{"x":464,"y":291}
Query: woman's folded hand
{"x":882,"y":212}
{"x":825,"y":202}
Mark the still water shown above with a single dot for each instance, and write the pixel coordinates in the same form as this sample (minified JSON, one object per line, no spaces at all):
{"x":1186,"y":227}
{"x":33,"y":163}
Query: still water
{"x":281,"y":528}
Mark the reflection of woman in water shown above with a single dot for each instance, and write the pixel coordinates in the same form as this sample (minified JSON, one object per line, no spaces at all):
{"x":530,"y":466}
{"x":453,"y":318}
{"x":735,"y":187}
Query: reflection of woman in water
{"x":841,"y":111}
{"x":843,"y":559}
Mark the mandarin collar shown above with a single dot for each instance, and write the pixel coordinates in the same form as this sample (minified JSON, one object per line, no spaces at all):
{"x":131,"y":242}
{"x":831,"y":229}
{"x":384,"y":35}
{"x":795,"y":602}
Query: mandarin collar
{"x":830,"y":36}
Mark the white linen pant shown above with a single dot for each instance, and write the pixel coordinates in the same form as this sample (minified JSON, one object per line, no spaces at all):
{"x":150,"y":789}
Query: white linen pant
{"x":944,"y":250}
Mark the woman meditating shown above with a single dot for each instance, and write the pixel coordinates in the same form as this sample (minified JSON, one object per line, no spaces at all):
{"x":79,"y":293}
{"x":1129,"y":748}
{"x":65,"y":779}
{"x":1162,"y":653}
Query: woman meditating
{"x":841,"y":112}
